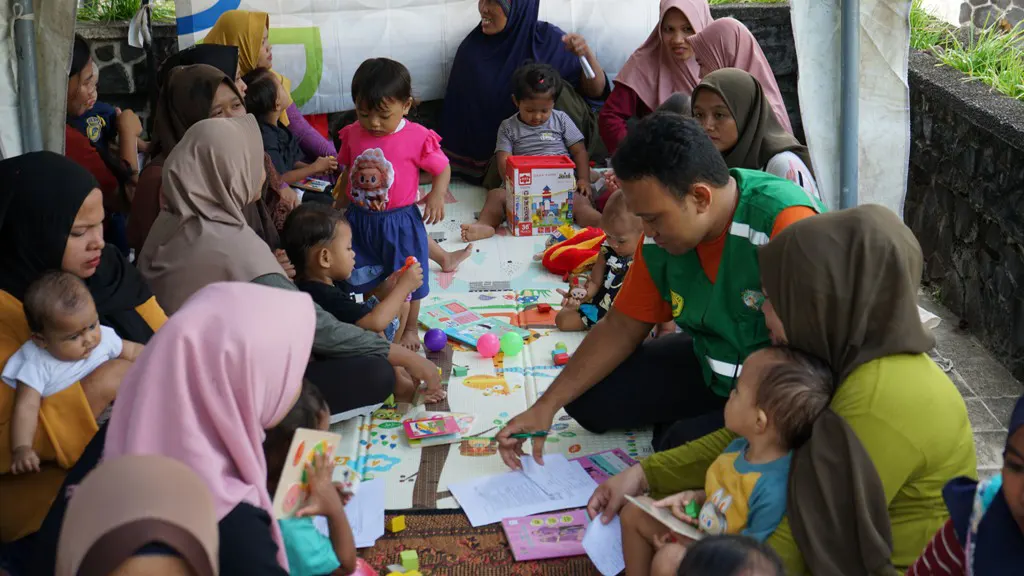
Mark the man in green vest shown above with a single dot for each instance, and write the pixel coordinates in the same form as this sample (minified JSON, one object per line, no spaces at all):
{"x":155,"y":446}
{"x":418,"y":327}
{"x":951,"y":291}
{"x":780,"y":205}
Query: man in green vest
{"x":697,"y":266}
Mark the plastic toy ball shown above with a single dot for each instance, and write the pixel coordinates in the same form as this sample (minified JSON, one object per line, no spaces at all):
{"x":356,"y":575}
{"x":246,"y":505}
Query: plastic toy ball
{"x":435,"y":340}
{"x":488,"y":345}
{"x":511,"y":343}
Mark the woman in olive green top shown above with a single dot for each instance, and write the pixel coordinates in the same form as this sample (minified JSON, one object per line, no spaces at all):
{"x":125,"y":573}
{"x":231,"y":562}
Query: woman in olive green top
{"x":843,"y":286}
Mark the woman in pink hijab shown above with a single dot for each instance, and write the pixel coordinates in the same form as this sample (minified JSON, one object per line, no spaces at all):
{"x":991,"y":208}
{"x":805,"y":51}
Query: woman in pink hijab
{"x":223,"y":369}
{"x":727,"y":43}
{"x":661,"y":67}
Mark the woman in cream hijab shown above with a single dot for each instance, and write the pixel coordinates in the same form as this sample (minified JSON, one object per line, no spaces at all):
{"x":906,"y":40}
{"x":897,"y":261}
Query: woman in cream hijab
{"x":201,"y":237}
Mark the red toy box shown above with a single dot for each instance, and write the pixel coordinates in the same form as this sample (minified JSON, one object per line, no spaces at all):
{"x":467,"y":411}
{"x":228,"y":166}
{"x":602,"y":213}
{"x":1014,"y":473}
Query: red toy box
{"x":539,"y":193}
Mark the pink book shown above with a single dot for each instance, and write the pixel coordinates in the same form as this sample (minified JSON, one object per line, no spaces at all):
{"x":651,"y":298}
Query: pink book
{"x":431,"y":427}
{"x":551,"y":535}
{"x":604,"y":465}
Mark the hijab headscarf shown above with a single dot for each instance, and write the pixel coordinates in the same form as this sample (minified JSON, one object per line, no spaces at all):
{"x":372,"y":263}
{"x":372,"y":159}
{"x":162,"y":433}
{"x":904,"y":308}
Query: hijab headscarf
{"x":201,"y":237}
{"x":127,"y":504}
{"x":990,"y":536}
{"x":761,"y":136}
{"x":244,"y":29}
{"x":479,"y":94}
{"x":727,"y":43}
{"x":652,"y":72}
{"x":844,"y":285}
{"x":185,"y":99}
{"x":223,"y":370}
{"x":221,"y":57}
{"x":44,"y":192}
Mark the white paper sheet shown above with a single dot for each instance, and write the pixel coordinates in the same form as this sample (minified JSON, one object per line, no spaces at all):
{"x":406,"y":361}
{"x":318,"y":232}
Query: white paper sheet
{"x":365,"y":512}
{"x":491,"y":499}
{"x":557,"y":476}
{"x":603,"y":543}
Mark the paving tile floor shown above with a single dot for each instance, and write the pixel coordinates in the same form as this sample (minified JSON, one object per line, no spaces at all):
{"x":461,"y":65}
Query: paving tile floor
{"x":988,"y":388}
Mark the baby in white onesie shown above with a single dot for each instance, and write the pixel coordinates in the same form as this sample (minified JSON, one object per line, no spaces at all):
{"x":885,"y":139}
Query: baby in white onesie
{"x":67,"y":344}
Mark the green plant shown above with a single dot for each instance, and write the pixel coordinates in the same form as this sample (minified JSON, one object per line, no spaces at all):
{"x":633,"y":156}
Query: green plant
{"x":114,"y":10}
{"x":989,"y":55}
{"x":925,"y":29}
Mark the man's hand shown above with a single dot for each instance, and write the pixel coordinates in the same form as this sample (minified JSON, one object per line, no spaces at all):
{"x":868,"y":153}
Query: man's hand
{"x":537,"y":418}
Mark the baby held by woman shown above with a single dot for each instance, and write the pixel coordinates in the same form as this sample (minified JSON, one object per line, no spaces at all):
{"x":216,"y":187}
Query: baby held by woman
{"x":67,"y":344}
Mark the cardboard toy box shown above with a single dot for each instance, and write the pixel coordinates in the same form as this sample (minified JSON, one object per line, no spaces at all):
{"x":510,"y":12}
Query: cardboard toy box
{"x":539,"y":192}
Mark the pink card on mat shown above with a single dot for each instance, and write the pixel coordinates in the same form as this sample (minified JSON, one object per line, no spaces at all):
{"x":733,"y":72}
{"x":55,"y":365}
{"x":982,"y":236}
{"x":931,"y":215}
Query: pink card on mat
{"x":430,"y":427}
{"x":604,"y":465}
{"x":551,"y":535}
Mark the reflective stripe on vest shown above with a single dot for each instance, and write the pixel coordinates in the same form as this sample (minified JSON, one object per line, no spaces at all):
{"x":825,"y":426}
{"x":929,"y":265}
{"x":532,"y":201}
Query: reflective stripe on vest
{"x":724,"y":368}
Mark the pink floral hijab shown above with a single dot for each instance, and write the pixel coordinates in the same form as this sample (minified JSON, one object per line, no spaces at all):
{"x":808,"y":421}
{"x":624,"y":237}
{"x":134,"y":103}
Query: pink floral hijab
{"x":654,"y":74}
{"x":224,"y":368}
{"x":726,"y":43}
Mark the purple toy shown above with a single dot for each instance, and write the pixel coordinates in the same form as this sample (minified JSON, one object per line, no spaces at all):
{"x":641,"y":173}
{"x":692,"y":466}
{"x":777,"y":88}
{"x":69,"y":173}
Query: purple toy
{"x":488,"y":345}
{"x":435,"y":340}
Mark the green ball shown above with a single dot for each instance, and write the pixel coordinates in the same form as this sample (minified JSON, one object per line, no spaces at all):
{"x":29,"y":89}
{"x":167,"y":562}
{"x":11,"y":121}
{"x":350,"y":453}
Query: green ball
{"x":511,"y":343}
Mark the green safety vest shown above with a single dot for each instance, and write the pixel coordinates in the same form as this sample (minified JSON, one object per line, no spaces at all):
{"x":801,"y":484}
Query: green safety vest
{"x":724,"y":318}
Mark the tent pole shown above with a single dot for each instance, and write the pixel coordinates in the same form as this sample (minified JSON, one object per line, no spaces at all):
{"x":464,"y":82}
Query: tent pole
{"x":28,"y":84}
{"x":850,"y":102}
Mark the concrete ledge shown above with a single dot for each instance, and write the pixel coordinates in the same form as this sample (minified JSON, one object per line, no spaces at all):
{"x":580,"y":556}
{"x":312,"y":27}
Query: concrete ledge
{"x":119,"y":30}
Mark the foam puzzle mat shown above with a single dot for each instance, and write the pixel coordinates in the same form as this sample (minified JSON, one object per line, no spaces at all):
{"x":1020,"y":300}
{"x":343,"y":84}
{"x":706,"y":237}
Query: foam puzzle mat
{"x":493,"y":390}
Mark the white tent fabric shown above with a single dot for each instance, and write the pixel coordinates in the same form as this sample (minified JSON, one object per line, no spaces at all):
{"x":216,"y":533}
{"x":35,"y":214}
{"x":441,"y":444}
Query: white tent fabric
{"x":55,"y":24}
{"x":884,"y":127}
{"x":422,"y":34}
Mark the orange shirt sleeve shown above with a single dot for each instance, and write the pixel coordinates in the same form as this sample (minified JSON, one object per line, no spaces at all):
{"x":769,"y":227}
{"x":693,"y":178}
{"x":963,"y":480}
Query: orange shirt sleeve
{"x":790,"y":216}
{"x":639,"y":297}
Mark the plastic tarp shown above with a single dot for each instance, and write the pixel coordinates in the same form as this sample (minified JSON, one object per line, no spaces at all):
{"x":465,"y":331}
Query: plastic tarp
{"x":318,"y":44}
{"x":55,"y":25}
{"x":884,"y":127}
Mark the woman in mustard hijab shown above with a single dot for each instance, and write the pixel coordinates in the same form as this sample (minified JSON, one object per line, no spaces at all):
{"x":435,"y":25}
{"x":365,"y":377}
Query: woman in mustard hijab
{"x":249,"y":31}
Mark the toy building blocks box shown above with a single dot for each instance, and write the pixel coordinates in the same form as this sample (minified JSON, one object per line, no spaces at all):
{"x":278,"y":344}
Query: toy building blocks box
{"x":539,"y":191}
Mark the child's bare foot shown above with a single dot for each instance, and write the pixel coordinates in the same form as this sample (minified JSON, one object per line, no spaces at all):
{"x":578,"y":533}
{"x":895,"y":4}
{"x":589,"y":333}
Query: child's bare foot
{"x":450,"y":261}
{"x":476,"y":231}
{"x":411,"y":340}
{"x":405,"y":386}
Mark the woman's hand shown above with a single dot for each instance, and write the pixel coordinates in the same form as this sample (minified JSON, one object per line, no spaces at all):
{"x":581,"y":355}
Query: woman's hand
{"x":433,"y":211}
{"x":325,"y":164}
{"x":289,"y":197}
{"x":128,"y":125}
{"x":576,"y":44}
{"x":286,"y":264}
{"x":583,"y":188}
{"x":677,"y":504}
{"x":423,"y":370}
{"x":610,"y":496}
{"x":323,"y":496}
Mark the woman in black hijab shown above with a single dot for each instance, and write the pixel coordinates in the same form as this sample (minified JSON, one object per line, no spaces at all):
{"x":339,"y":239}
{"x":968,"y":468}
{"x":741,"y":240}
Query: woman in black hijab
{"x":54,"y":221}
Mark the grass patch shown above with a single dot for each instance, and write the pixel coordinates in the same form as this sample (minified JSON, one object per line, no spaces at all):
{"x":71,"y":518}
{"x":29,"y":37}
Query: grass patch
{"x":992,"y":55}
{"x":123,"y":10}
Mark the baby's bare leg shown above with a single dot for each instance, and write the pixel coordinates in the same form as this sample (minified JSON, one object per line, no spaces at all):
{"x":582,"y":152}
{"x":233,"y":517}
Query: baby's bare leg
{"x":639,"y":529}
{"x":491,"y":216}
{"x":667,"y":560}
{"x":101,"y":386}
{"x":569,"y":320}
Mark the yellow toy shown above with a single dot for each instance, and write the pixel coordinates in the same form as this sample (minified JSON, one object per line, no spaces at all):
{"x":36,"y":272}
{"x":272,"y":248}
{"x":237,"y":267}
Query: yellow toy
{"x":396,"y":524}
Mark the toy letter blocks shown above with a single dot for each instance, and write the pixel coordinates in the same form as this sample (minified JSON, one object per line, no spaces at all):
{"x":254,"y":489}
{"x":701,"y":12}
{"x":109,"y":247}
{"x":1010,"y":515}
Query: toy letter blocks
{"x":539,"y":192}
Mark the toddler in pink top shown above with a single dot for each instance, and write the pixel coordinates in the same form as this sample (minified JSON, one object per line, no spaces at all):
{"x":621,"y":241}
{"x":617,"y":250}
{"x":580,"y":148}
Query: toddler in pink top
{"x":382,"y":155}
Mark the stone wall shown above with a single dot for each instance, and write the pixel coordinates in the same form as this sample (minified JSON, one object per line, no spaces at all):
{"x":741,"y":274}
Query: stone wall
{"x":124,"y":75}
{"x":965,"y":202}
{"x":985,"y":13}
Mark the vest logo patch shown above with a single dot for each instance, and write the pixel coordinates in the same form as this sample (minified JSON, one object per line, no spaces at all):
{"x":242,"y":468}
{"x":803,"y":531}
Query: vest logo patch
{"x":753,"y":299}
{"x":677,"y":305}
{"x":93,"y":126}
